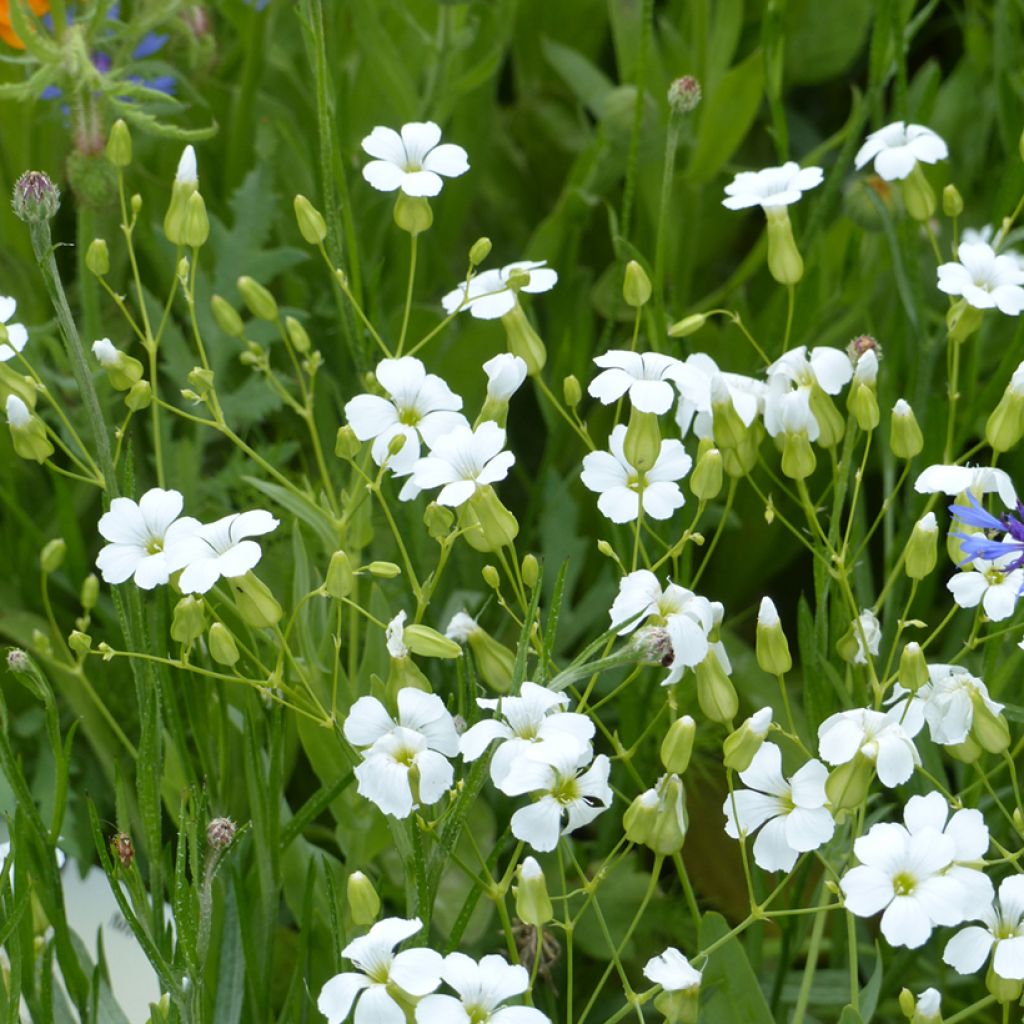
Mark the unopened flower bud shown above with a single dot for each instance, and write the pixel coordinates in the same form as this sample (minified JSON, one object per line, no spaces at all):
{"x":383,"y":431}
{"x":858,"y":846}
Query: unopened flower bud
{"x":297,"y":335}
{"x":122,"y":370}
{"x":989,"y":729}
{"x":657,"y":818}
{"x":223,"y":648}
{"x":571,"y":391}
{"x":1005,"y":426}
{"x":848,"y":784}
{"x":922,"y":548}
{"x":51,"y":558}
{"x":523,"y":340}
{"x":90,"y":592}
{"x":962,"y":320}
{"x":913,"y":669}
{"x":488,"y":525}
{"x":533,"y":905}
{"x":742,"y":744}
{"x":706,"y":479}
{"x":97,"y":257}
{"x":186,"y":184}
{"x":677,"y":746}
{"x":952,"y":201}
{"x":312,"y":225}
{"x":220,"y":832}
{"x":341,"y":580}
{"x":495,"y":663}
{"x":188,"y":621}
{"x":195,"y":228}
{"x":346,"y":444}
{"x":384,"y":570}
{"x":727,"y":425}
{"x":831,"y":425}
{"x":428,"y":643}
{"x":1018,"y":815}
{"x":905,"y":438}
{"x":396,"y":444}
{"x":772,"y":647}
{"x":413,"y":214}
{"x":257,"y":299}
{"x":967,"y":752}
{"x":438,"y":520}
{"x":256,"y":605}
{"x":636,"y":286}
{"x":491,"y":577}
{"x":139,"y":396}
{"x":918,"y":195}
{"x":784,"y":261}
{"x":479,"y":251}
{"x":363,"y":901}
{"x":684,"y":94}
{"x":642,"y":443}
{"x":226,"y":317}
{"x":1005,"y":990}
{"x":119,"y":144}
{"x":17,"y":660}
{"x":36,"y":199}
{"x":798,"y":458}
{"x":136,"y":204}
{"x":688,"y":325}
{"x":28,"y":434}
{"x":926,"y":1008}
{"x":79,"y":642}
{"x":715,"y":692}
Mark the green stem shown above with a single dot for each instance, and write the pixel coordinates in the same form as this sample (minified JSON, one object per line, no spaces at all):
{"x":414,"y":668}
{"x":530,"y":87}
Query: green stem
{"x":817,"y":929}
{"x":413,"y":238}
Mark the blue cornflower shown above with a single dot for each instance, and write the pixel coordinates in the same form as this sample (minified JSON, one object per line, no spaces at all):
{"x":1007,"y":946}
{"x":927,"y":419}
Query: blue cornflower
{"x":979,"y":545}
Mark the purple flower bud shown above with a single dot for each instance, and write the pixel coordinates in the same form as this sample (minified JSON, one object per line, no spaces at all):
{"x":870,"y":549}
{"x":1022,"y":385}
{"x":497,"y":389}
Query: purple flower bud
{"x":36,"y":198}
{"x":684,"y":94}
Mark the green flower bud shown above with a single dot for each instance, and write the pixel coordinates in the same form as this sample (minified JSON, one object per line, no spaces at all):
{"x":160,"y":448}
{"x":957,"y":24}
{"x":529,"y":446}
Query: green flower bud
{"x":256,"y":605}
{"x":79,"y":642}
{"x":223,"y":648}
{"x":688,"y":325}
{"x":28,"y":433}
{"x":848,"y":784}
{"x":918,"y":195}
{"x":643,"y":440}
{"x":636,"y":286}
{"x":905,"y":438}
{"x":36,"y":198}
{"x":297,"y":335}
{"x":706,"y":479}
{"x":119,"y":144}
{"x":41,"y":644}
{"x":922,"y":548}
{"x":989,"y":729}
{"x":1005,"y":990}
{"x":196,"y":225}
{"x":962,"y":320}
{"x":1005,"y":426}
{"x":363,"y":901}
{"x":438,"y":520}
{"x":488,"y":524}
{"x":491,"y":577}
{"x":913,"y":669}
{"x":533,"y":905}
{"x":863,"y":405}
{"x":136,"y":204}
{"x":530,"y":570}
{"x":677,"y":746}
{"x":1018,"y":821}
{"x":523,"y":340}
{"x":831,"y":426}
{"x":684,"y":94}
{"x":312,"y":225}
{"x":952,"y":201}
{"x":384,"y":570}
{"x":90,"y":592}
{"x":968,"y":752}
{"x":122,"y":370}
{"x":226,"y":317}
{"x":341,"y":578}
{"x":188,"y":622}
{"x":428,"y":643}
{"x":657,"y":818}
{"x":97,"y":257}
{"x":571,"y":391}
{"x":346,"y":444}
{"x":479,"y":251}
{"x":906,"y":1002}
{"x":742,"y":744}
{"x":413,"y":214}
{"x":140,"y":396}
{"x":495,"y":663}
{"x":51,"y":558}
{"x":771,"y":645}
{"x":186,"y":184}
{"x":798,"y":459}
{"x":739,"y":461}
{"x":257,"y":299}
{"x":715,"y":692}
{"x":784,"y":261}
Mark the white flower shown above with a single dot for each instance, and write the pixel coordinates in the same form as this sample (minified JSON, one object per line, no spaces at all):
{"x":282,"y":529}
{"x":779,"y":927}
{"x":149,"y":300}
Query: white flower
{"x":416,"y":972}
{"x":928,"y":1007}
{"x":537,"y":714}
{"x":985,"y":280}
{"x":505,"y":376}
{"x":394,"y":637}
{"x":18,"y":414}
{"x":701,"y":385}
{"x":688,"y":637}
{"x":793,"y":813}
{"x":105,"y":352}
{"x":773,"y":186}
{"x":988,"y":584}
{"x":419,"y":405}
{"x":17,"y":335}
{"x":672,"y":971}
{"x":463,"y":460}
{"x":644,"y":376}
{"x":619,"y":484}
{"x":946,"y":702}
{"x":867,"y":631}
{"x":641,"y":596}
{"x":970,"y":837}
{"x":145,"y":538}
{"x":971,"y":236}
{"x":954,"y":480}
{"x":187,"y":174}
{"x":461,"y":627}
{"x":482,"y":988}
{"x":488,"y":295}
{"x":554,"y":769}
{"x":903,"y":875}
{"x":221,"y":549}
{"x":898,"y":148}
{"x":419,"y":742}
{"x":412,"y":161}
{"x":968,"y":950}
{"x":885,"y":738}
{"x":788,"y":411}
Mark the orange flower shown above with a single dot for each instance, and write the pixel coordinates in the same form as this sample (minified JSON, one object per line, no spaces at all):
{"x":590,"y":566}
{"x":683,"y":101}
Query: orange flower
{"x":7,"y":34}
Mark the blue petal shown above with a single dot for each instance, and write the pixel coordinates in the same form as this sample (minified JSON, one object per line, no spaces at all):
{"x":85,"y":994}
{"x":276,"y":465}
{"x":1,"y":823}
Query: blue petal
{"x":977,"y":546}
{"x":975,"y":515}
{"x":152,"y":42}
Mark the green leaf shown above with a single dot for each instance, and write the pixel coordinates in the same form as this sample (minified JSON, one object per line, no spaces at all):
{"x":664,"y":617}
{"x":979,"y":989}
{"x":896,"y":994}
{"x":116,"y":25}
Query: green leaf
{"x":305,"y":510}
{"x":230,"y":966}
{"x":730,"y":987}
{"x":850,"y":1016}
{"x":589,"y":84}
{"x":728,"y":114}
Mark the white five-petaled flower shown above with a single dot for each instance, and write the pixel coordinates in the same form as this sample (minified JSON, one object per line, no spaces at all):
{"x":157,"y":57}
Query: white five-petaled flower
{"x":412,"y":160}
{"x":885,"y":738}
{"x":772,"y":186}
{"x":828,"y":368}
{"x":898,"y":148}
{"x":482,"y":988}
{"x":1002,"y":936}
{"x":620,"y":485}
{"x":463,"y":460}
{"x":17,"y":335}
{"x":555,"y":770}
{"x":793,"y":814}
{"x":984,"y":279}
{"x":416,"y":972}
{"x":672,"y":971}
{"x":221,"y":548}
{"x":145,"y":538}
{"x":505,"y":376}
{"x":954,"y":480}
{"x":904,"y":875}
{"x":645,"y":376}
{"x":420,"y":741}
{"x":641,"y":597}
{"x":946,"y":702}
{"x":989,"y":584}
{"x":419,"y":405}
{"x":488,"y":295}
{"x":537,"y":714}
